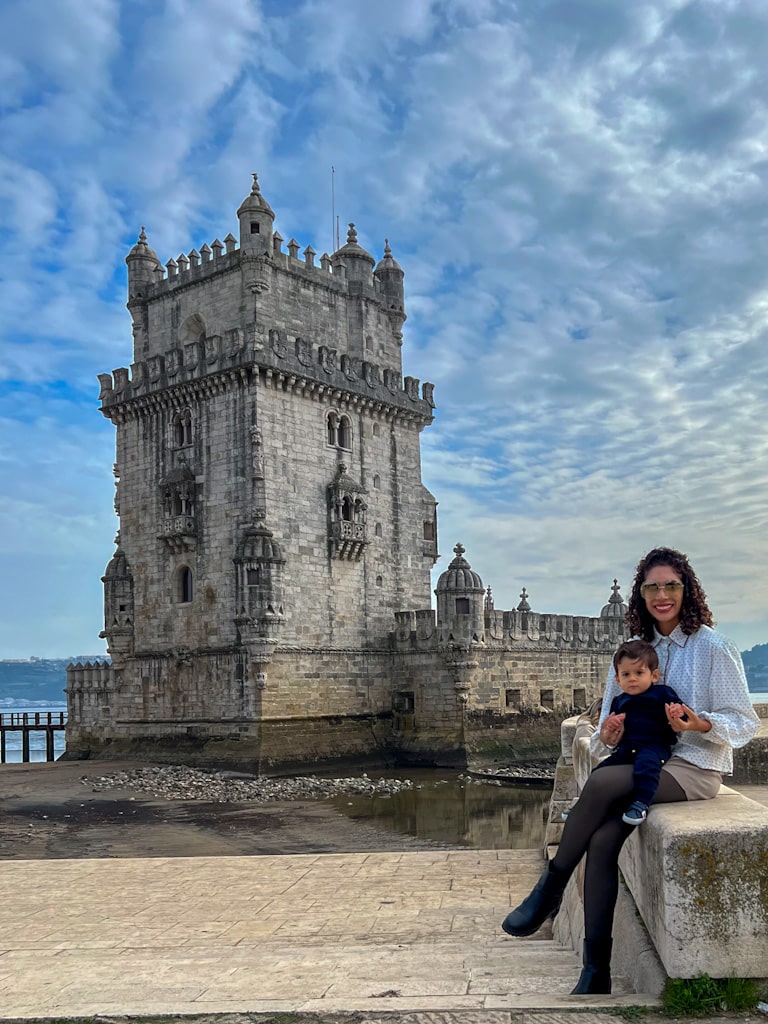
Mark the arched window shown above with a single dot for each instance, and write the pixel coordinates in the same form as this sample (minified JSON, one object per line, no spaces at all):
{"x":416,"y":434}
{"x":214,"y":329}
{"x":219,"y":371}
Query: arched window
{"x":377,"y":529}
{"x":345,"y":433}
{"x":377,"y":481}
{"x":186,"y":585}
{"x":376,"y":429}
{"x":346,"y":509}
{"x":182,"y":429}
{"x":338,"y":431}
{"x":332,"y":428}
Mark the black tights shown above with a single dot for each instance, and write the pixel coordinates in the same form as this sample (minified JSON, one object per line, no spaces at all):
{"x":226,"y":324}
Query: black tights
{"x":594,"y":827}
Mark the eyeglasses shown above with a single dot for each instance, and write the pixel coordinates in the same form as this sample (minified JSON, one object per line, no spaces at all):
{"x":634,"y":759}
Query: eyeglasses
{"x":672,"y":589}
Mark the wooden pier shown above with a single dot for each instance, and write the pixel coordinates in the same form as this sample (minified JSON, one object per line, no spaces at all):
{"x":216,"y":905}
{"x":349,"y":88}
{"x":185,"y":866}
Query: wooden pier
{"x":27,"y":722}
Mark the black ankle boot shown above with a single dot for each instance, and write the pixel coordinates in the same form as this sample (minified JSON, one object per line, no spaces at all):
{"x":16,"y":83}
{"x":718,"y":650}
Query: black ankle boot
{"x":542,"y":902}
{"x":595,"y":977}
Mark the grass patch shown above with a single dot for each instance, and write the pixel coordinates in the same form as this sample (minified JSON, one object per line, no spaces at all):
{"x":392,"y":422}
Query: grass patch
{"x":703,"y":996}
{"x":629,"y":1013}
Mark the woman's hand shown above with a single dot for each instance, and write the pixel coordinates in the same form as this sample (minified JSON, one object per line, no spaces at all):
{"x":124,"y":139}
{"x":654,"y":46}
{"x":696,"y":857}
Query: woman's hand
{"x":678,"y":724}
{"x":612,"y":730}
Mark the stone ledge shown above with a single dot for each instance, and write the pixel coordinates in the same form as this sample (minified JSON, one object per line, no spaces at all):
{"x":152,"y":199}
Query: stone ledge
{"x":698,"y":873}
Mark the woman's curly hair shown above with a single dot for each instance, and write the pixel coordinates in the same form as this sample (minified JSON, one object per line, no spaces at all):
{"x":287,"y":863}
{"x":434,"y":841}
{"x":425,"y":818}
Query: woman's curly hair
{"x":694,"y":612}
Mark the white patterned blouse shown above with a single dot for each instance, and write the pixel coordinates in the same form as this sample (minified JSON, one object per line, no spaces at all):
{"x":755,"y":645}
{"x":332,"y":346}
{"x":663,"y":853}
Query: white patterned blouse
{"x":706,"y":670}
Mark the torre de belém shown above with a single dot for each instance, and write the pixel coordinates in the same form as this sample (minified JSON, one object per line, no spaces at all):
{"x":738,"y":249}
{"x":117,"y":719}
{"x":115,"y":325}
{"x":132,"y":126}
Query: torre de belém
{"x":268,"y":602}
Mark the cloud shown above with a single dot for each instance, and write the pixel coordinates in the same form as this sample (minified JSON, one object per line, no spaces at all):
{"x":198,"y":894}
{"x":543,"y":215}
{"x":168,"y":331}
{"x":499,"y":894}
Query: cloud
{"x":575,"y":190}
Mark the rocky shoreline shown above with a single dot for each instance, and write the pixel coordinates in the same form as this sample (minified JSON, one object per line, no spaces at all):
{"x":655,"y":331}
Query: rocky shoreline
{"x":179,"y":782}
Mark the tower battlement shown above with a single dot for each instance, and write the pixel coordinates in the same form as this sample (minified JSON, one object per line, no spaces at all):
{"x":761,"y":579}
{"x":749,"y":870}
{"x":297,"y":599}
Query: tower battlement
{"x":275,"y":359}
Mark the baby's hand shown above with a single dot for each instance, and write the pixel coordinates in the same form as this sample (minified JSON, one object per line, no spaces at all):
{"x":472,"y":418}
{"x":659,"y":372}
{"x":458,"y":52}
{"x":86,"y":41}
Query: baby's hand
{"x":675,"y":711}
{"x":612,"y":729}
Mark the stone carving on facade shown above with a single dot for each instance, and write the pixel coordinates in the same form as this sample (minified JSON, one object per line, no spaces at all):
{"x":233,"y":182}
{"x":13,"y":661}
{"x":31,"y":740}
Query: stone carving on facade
{"x":257,"y":453}
{"x":347,"y":516}
{"x":156,"y":368}
{"x":174,"y":360}
{"x":328,"y":358}
{"x":304,"y":351}
{"x":370,"y":374}
{"x":235,"y":340}
{"x":277,"y":343}
{"x":350,"y":367}
{"x":212,"y":347}
{"x":192,"y":354}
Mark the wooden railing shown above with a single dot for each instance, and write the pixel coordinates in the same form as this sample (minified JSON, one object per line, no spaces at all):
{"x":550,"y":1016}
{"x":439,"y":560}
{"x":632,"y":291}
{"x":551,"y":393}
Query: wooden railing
{"x":27,"y":722}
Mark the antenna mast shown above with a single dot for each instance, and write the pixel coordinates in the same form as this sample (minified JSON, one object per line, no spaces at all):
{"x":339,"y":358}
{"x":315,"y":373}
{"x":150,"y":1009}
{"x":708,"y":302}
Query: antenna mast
{"x":333,"y":207}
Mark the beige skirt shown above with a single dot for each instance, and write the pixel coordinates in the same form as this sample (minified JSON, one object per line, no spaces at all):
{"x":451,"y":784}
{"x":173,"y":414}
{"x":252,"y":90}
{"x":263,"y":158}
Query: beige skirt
{"x":697,"y":783}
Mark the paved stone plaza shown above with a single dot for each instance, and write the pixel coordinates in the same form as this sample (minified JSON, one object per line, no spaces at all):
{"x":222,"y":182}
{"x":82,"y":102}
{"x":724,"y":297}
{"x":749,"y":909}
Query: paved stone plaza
{"x":375,"y":932}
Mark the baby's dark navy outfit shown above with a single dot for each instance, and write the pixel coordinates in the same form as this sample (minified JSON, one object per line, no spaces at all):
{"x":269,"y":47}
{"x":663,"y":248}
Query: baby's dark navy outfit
{"x":648,"y":737}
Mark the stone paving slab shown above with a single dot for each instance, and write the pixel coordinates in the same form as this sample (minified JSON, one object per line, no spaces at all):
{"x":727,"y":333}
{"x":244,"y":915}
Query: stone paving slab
{"x":349,"y":932}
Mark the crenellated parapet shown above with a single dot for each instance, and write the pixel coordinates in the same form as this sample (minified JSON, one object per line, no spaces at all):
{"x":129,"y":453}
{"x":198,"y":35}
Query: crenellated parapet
{"x":90,"y":692}
{"x":466,"y":616}
{"x":513,"y":630}
{"x":275,"y":358}
{"x":349,"y":271}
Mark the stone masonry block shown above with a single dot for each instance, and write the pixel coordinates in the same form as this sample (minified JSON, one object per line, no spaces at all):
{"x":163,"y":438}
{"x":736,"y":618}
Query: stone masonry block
{"x":699,"y":875}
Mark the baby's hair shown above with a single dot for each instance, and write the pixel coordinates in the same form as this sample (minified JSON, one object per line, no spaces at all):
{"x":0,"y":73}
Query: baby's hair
{"x":637,"y":650}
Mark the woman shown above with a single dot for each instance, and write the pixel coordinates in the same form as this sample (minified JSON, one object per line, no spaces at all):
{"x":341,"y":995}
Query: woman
{"x":668,"y":608}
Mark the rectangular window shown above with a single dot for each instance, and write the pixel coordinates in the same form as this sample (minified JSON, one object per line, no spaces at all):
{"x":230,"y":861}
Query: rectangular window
{"x":512,"y":698}
{"x":255,"y":229}
{"x":429,"y":530}
{"x":580,"y":698}
{"x":403,"y":701}
{"x":547,"y":699}
{"x":462,"y":606}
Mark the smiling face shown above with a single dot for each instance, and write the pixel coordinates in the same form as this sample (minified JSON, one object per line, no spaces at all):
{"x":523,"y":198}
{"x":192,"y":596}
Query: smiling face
{"x":665,"y":606}
{"x":634,"y":676}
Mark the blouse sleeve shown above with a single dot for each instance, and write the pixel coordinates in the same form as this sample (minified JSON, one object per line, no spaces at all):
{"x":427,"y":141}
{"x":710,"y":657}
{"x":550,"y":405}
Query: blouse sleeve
{"x":597,"y":748}
{"x":733,"y":719}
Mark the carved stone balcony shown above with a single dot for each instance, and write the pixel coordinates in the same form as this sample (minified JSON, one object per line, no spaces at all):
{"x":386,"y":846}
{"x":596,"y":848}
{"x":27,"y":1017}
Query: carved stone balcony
{"x":348,"y":539}
{"x":179,"y":533}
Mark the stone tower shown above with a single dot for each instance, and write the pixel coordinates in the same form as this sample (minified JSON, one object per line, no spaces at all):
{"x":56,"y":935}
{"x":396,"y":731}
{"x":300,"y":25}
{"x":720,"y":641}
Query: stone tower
{"x":272,"y":514}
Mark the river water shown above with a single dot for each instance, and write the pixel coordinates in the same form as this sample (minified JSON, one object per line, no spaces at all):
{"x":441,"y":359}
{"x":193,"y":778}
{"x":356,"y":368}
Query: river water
{"x":449,"y":807}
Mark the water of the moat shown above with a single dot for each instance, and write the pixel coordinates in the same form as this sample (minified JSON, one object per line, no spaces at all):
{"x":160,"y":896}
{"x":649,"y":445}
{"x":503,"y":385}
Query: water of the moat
{"x":447,"y":807}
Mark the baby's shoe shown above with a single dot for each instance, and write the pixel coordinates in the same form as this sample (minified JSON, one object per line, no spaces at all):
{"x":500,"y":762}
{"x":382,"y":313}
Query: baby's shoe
{"x":636,"y":814}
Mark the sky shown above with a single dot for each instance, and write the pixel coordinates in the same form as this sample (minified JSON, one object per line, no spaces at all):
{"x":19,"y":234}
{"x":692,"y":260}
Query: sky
{"x":575,"y":189}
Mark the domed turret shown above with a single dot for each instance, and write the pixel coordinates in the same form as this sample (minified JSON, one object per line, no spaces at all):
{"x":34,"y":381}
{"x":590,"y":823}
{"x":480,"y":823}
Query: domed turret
{"x":257,"y":222}
{"x":117,"y":567}
{"x":615,"y":609}
{"x":142,"y":261}
{"x":118,"y":605}
{"x":358,"y":261}
{"x":390,"y":276}
{"x":460,"y":596}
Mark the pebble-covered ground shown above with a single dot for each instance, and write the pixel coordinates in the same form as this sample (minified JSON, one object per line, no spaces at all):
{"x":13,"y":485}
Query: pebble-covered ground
{"x":169,"y":782}
{"x":184,"y":783}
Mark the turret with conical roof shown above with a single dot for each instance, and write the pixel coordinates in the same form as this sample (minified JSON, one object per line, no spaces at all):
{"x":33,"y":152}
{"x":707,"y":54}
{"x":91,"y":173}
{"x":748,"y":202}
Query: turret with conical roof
{"x":142,"y":261}
{"x":390,"y":275}
{"x":257,"y":222}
